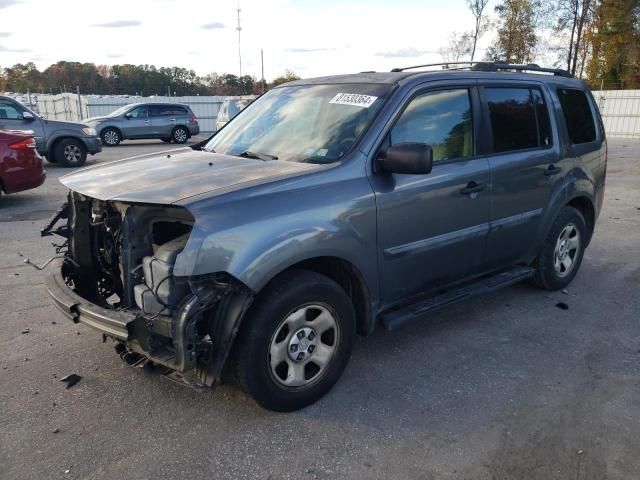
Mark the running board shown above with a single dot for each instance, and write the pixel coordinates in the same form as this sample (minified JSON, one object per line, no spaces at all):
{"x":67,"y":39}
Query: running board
{"x":396,"y":318}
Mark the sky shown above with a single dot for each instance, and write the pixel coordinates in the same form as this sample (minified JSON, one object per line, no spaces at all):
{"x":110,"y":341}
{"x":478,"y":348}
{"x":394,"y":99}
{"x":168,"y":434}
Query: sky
{"x":309,"y":37}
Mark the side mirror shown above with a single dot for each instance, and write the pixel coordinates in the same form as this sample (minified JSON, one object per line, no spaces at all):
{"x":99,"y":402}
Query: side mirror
{"x":127,"y":115}
{"x":28,"y":116}
{"x":416,"y":158}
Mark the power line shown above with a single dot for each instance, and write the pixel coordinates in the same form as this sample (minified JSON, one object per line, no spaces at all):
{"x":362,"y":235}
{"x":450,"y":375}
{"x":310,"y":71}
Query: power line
{"x":239,"y":29}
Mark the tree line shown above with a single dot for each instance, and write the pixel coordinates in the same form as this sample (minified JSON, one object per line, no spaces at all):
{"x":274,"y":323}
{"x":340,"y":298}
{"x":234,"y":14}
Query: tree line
{"x":594,"y":39}
{"x":128,"y":79}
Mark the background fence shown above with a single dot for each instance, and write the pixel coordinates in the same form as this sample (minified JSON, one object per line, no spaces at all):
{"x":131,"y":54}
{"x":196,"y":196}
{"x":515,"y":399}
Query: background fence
{"x":69,"y":106}
{"x":620,"y":109}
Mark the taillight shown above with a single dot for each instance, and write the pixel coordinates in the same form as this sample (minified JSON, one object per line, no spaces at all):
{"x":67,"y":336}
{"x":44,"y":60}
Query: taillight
{"x":194,"y":118}
{"x":25,"y":144}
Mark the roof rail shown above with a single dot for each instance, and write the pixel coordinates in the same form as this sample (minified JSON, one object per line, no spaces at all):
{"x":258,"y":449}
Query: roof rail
{"x":489,"y":67}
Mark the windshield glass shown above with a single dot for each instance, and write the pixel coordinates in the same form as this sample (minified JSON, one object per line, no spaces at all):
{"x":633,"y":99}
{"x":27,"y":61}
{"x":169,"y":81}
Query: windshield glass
{"x":307,"y":123}
{"x":119,"y":111}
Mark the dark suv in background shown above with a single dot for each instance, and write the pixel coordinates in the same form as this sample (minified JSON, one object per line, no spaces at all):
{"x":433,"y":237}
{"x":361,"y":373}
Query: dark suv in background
{"x":67,"y":143}
{"x":165,"y":121}
{"x":330,"y":206}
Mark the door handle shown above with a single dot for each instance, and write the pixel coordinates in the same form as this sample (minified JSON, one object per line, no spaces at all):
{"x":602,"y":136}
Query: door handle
{"x":146,"y":121}
{"x":552,"y":170}
{"x":172,"y":119}
{"x":473,"y":187}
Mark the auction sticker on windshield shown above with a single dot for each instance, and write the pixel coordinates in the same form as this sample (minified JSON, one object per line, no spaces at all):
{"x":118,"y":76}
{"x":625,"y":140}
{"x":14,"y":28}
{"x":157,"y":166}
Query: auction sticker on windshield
{"x":354,"y":99}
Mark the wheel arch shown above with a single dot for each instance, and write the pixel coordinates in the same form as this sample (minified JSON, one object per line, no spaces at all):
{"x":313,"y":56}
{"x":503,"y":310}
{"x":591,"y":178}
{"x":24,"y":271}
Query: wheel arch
{"x":585,"y":206}
{"x":111,"y":127}
{"x":53,"y":143}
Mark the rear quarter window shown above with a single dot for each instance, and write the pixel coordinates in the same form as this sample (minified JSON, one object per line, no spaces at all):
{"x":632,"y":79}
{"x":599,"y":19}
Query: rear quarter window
{"x":577,"y":115}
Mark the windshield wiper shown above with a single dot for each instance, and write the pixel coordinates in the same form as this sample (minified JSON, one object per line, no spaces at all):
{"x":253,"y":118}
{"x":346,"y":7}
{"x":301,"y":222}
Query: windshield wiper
{"x":258,"y":156}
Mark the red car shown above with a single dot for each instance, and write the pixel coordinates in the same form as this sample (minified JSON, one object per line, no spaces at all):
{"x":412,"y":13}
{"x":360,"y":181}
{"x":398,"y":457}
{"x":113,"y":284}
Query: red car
{"x":20,"y":164}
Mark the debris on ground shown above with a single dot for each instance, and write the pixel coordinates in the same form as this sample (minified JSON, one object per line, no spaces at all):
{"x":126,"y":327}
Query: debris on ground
{"x":580,"y":452}
{"x":26,"y":330}
{"x":57,"y":430}
{"x":71,"y":379}
{"x":562,"y":306}
{"x":565,"y":291}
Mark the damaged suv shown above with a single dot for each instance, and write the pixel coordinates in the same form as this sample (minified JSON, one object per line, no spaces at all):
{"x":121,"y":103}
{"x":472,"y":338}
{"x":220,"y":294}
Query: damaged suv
{"x":326,"y":207}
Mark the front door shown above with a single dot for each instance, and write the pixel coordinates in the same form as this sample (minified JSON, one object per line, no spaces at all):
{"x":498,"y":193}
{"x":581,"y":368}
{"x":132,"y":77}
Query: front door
{"x":432,"y":228}
{"x":12,"y":118}
{"x":136,"y":123}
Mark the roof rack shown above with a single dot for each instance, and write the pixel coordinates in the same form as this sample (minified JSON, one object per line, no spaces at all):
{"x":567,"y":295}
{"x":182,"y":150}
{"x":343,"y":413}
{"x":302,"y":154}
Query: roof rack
{"x":489,"y":67}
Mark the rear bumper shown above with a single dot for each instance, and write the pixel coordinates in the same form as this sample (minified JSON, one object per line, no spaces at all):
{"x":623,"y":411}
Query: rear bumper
{"x":21,"y":184}
{"x":93,"y":144}
{"x":109,"y":322}
{"x":194,"y":130}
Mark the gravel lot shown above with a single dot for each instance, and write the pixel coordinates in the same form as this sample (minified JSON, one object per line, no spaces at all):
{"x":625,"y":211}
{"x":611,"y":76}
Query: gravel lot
{"x":502,"y":387}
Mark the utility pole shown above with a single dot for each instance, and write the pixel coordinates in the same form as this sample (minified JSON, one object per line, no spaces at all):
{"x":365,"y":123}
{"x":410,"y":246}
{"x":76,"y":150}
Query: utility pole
{"x":239,"y":28}
{"x":262,"y":67}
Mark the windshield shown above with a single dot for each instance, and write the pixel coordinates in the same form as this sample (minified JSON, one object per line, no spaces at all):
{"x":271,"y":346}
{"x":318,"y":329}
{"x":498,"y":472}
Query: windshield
{"x":307,"y":123}
{"x":119,"y":111}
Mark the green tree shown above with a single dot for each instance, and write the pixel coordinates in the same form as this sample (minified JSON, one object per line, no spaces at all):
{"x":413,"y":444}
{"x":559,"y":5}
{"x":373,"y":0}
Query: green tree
{"x":516,"y":36}
{"x":288,"y":76}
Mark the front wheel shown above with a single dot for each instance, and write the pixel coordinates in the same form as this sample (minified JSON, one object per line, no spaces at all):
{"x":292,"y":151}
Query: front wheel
{"x":296,"y":341}
{"x":180,"y":135}
{"x":562,"y":251}
{"x":70,"y":152}
{"x":111,"y":137}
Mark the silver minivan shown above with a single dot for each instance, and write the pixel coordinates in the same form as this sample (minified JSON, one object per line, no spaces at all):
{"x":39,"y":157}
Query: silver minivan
{"x":166,"y":121}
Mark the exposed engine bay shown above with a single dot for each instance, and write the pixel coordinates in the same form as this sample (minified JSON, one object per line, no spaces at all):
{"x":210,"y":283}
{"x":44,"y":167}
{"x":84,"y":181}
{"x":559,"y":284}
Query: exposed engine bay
{"x":120,"y":258}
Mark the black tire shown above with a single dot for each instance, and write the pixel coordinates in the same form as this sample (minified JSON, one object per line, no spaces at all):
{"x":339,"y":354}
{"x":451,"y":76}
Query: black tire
{"x":166,"y":140}
{"x":50,"y":159}
{"x":547,"y":275}
{"x":180,"y":135}
{"x":70,"y":153}
{"x":294,"y":291}
{"x":111,"y":136}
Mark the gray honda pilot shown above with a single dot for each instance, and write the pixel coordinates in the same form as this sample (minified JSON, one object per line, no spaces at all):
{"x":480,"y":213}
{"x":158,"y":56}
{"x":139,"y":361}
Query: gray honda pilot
{"x":325,"y":208}
{"x":165,"y":121}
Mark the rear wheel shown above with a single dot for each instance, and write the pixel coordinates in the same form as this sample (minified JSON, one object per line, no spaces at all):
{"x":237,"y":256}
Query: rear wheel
{"x":562,"y":252}
{"x":70,"y":152}
{"x":180,"y":135}
{"x":111,"y":137}
{"x":296,"y":341}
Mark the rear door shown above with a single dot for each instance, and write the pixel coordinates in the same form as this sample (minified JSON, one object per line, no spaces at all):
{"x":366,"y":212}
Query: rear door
{"x":137,"y":124}
{"x":432,"y":228}
{"x":525,"y":160}
{"x":162,"y":119}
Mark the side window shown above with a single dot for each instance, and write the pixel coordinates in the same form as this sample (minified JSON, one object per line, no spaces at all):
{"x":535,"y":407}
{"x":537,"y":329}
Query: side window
{"x":9,"y":111}
{"x":545,"y":137}
{"x":138,"y":112}
{"x":441,"y":119}
{"x":513,"y":119}
{"x":178,"y":111}
{"x":157,"y":110}
{"x":577,"y":115}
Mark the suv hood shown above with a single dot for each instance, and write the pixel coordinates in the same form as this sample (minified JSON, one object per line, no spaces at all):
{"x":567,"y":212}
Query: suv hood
{"x":175,"y":175}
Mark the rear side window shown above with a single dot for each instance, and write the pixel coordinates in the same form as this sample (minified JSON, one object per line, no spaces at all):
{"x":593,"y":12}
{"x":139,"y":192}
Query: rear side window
{"x":513,"y":119}
{"x":441,"y":119}
{"x":166,"y":110}
{"x":577,"y":115}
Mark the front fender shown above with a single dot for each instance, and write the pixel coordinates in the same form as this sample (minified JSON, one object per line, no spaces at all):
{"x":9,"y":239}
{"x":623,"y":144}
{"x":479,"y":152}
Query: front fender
{"x":255,"y":236}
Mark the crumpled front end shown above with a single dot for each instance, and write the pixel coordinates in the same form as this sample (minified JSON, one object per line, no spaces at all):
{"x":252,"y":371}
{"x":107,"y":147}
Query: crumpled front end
{"x":115,"y":273}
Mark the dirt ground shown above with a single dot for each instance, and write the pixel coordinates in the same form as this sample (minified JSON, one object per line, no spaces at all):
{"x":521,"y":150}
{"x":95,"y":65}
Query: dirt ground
{"x":502,"y":387}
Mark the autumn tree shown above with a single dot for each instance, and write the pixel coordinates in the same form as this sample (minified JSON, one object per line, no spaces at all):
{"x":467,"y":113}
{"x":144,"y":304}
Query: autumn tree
{"x":288,"y":76}
{"x":516,"y":37}
{"x":615,"y":57}
{"x":477,"y":9}
{"x":459,"y":45}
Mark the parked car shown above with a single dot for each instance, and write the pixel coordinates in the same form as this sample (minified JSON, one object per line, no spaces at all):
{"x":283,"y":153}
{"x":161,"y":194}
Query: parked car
{"x":20,"y":164}
{"x":230,"y":108}
{"x":166,"y":121}
{"x":328,"y":207}
{"x":67,"y":143}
